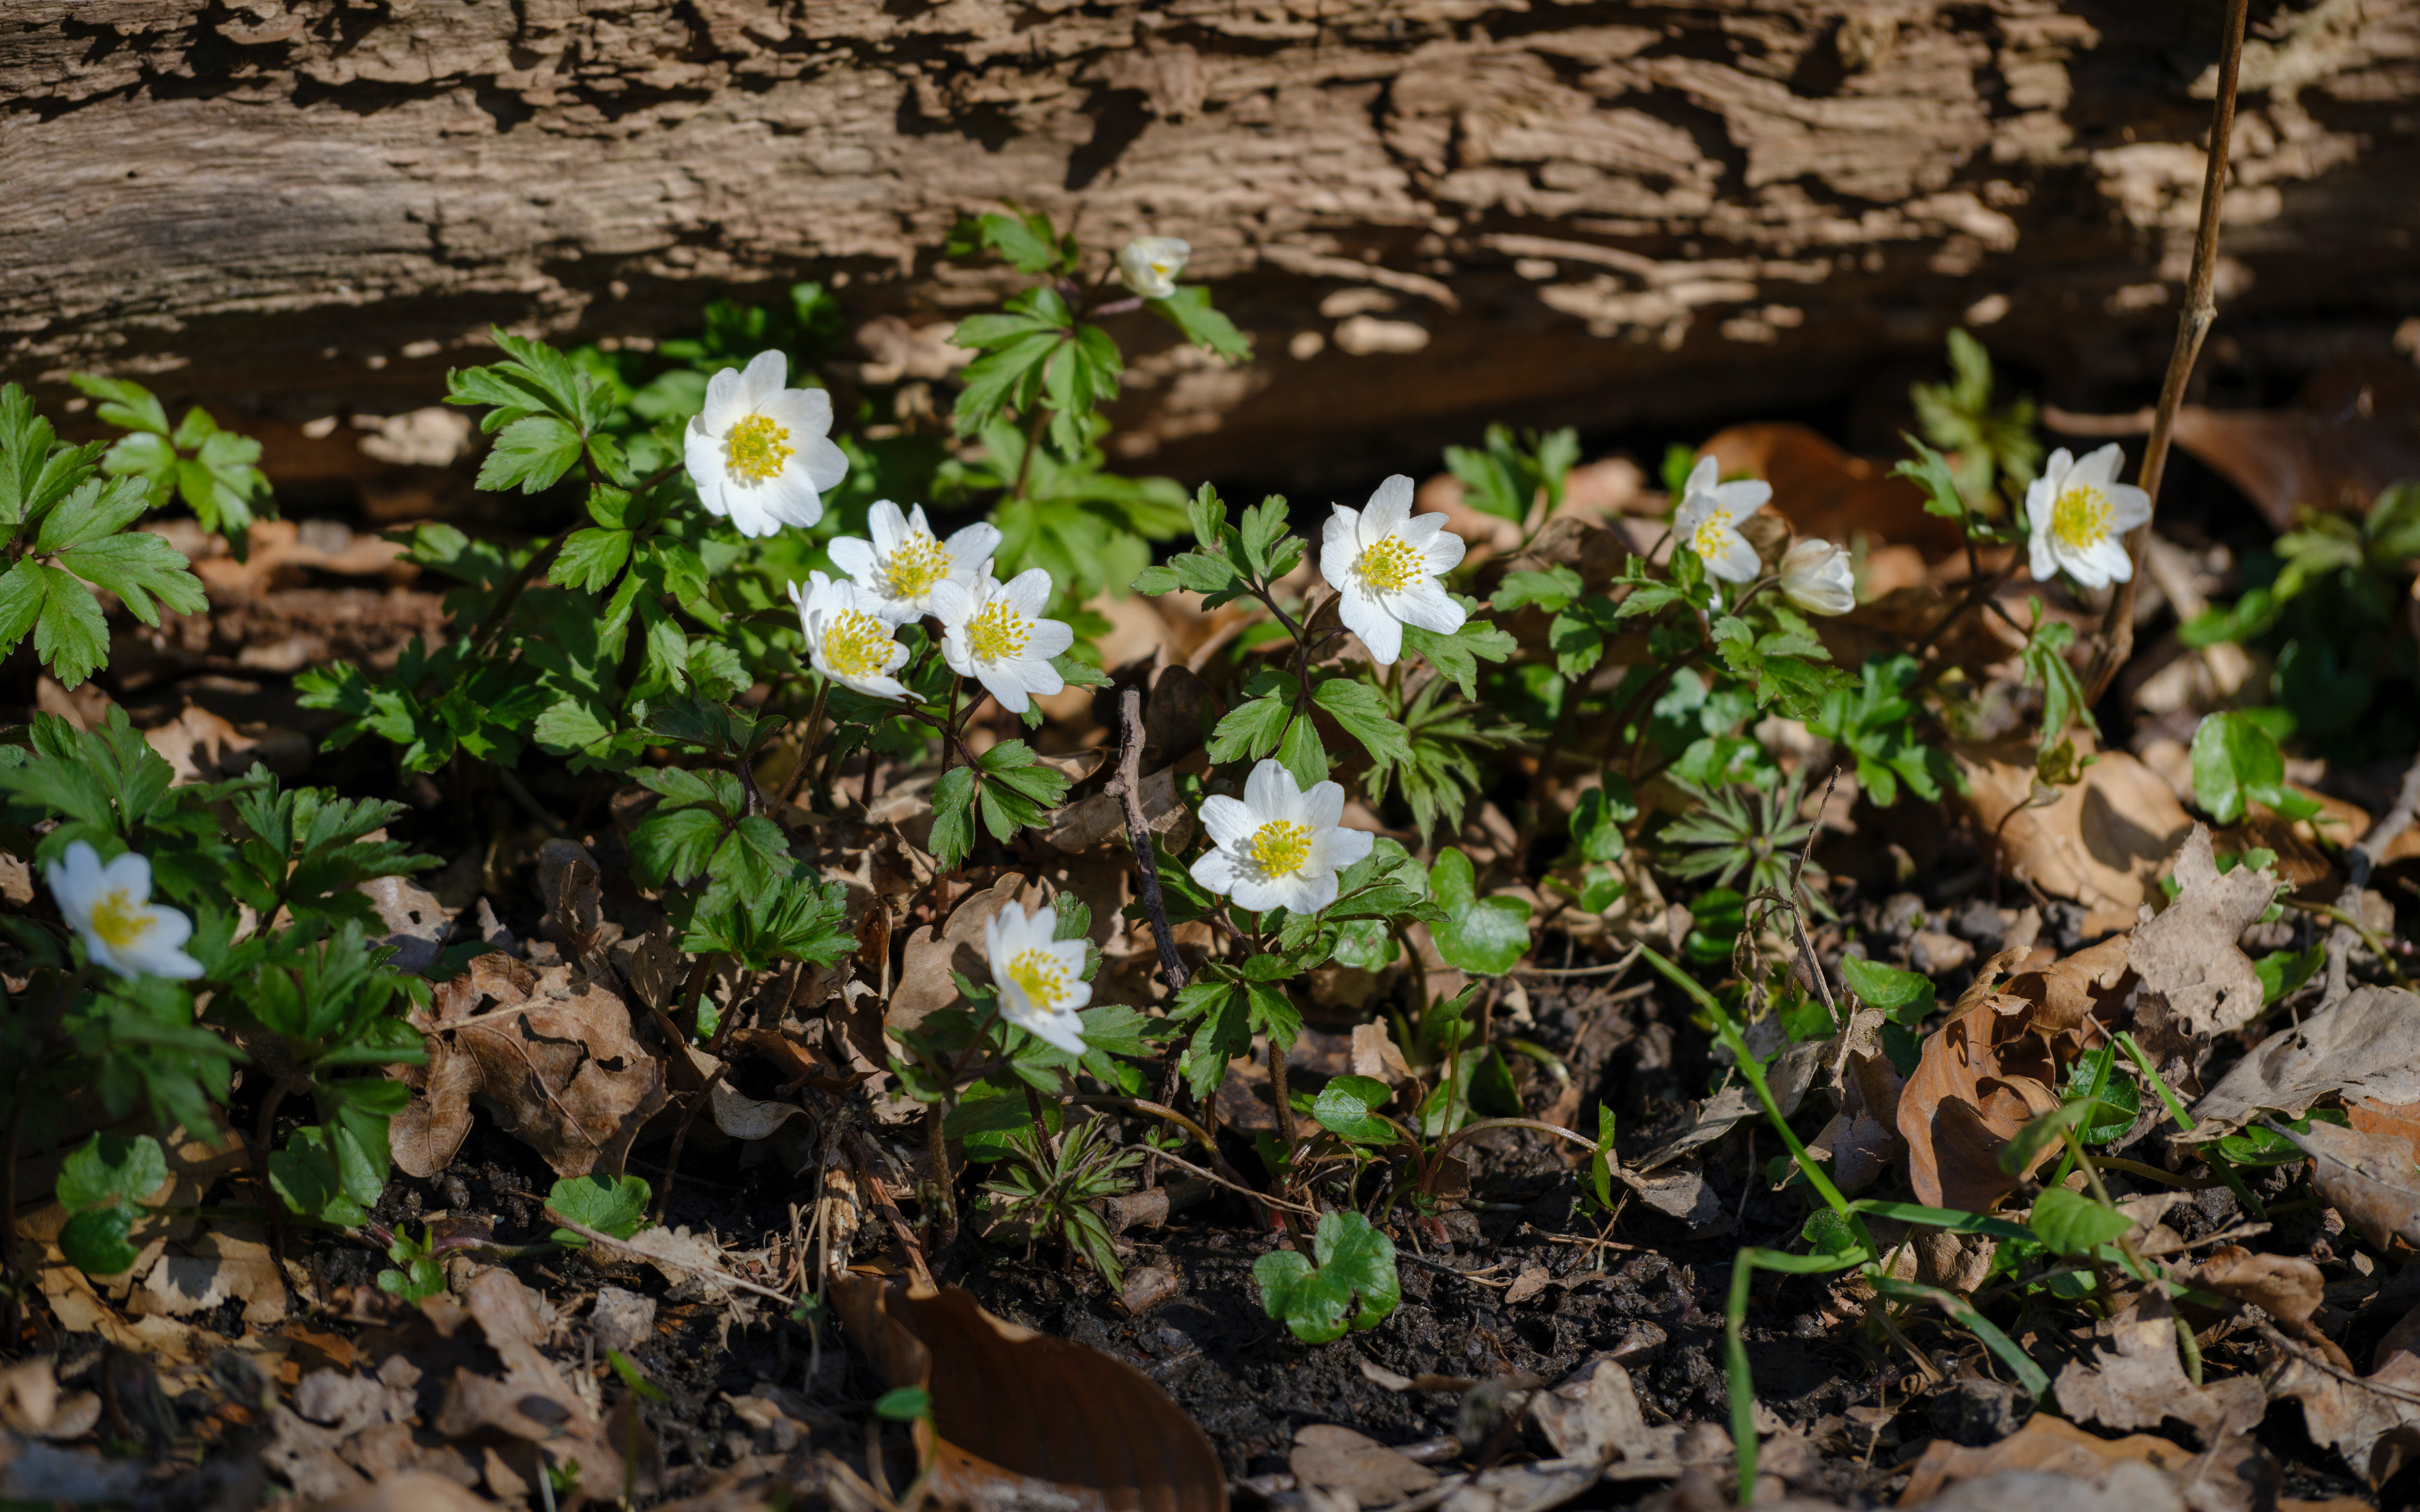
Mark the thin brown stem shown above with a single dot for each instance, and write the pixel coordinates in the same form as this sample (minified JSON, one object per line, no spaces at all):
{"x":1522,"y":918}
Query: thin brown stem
{"x":2116,"y":639}
{"x":680,"y":1137}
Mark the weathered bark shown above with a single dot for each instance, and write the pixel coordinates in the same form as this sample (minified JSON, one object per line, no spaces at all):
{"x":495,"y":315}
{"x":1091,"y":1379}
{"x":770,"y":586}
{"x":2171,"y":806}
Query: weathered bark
{"x":1429,"y":211}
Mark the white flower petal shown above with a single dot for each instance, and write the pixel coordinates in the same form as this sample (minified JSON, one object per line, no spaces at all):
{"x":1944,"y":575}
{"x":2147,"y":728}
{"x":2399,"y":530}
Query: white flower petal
{"x":1340,"y":848}
{"x":1702,"y":477}
{"x":2099,"y":468}
{"x":885,"y":524}
{"x":763,"y":379}
{"x":1388,"y":510}
{"x":1382,"y":635}
{"x":1306,"y":892}
{"x":1003,"y":685}
{"x":1227,"y":820}
{"x":1048,"y":638}
{"x":855,"y":556}
{"x":1029,"y":591}
{"x":1271,"y":792}
{"x":1256,"y":894}
{"x":1734,"y":561}
{"x":790,"y":497}
{"x":1743,"y":498}
{"x":726,"y":403}
{"x":2041,"y":560}
{"x":1427,"y":605}
{"x":1444,"y":553}
{"x":823,"y":463}
{"x":701,"y":458}
{"x":1221,"y":870}
{"x":1336,"y":555}
{"x":2130,"y":507}
{"x":971,"y":546}
{"x":1322,"y":805}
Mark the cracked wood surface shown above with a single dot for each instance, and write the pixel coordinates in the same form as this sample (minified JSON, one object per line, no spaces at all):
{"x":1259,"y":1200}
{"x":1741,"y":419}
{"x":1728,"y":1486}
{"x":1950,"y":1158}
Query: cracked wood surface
{"x":1429,"y":213}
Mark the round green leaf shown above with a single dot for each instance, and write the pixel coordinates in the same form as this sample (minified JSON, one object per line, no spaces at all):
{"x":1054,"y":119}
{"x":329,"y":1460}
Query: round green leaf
{"x":1345,"y":1108}
{"x":110,"y":1167}
{"x":94,"y":1240}
{"x":1483,"y":936}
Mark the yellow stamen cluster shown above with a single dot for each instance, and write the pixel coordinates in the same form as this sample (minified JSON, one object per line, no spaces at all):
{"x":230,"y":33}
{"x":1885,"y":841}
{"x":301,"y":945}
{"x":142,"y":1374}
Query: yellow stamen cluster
{"x":2081,"y":518}
{"x":998,"y":632}
{"x":1279,"y":847}
{"x":119,"y":920}
{"x":1708,"y":538}
{"x":857,"y":645}
{"x":1042,"y":976}
{"x":919,"y":564}
{"x":1390,"y":566}
{"x":757,"y":448}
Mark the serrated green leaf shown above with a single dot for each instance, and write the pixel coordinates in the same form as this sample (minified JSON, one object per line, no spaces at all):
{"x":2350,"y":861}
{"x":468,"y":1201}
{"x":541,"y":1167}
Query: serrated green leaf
{"x":1361,"y":709}
{"x":533,"y":453}
{"x":139,"y":567}
{"x":953,"y":829}
{"x":590,"y":559}
{"x":611,"y":1205}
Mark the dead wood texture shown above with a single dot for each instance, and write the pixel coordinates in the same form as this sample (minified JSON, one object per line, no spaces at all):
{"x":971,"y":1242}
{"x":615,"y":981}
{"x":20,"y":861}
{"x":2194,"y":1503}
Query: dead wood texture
{"x":1428,"y":211}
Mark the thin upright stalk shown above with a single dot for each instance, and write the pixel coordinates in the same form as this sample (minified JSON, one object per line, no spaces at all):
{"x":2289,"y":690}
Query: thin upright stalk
{"x":2116,"y":639}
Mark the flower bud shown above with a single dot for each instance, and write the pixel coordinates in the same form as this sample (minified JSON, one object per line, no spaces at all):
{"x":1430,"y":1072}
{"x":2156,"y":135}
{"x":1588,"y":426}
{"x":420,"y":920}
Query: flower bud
{"x":1816,"y":577}
{"x":1149,"y":264}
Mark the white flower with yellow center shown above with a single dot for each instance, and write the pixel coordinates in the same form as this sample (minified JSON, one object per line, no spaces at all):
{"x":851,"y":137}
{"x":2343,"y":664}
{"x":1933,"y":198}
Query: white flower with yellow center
{"x":848,"y":642}
{"x":762,"y":454}
{"x":1817,"y":577}
{"x":1383,"y":562}
{"x":1708,"y":521}
{"x":1149,"y":264}
{"x":1279,"y":847}
{"x":899,"y":569}
{"x":2080,"y":515}
{"x":994,"y":632}
{"x":1041,"y":979}
{"x":111,"y":907}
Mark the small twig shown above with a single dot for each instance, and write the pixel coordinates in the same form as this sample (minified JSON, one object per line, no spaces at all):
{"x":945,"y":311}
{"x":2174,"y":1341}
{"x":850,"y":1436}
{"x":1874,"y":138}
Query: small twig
{"x":1616,"y":969}
{"x":2117,"y":635}
{"x":2320,"y":1363}
{"x":859,"y":1156}
{"x":1127,"y":785}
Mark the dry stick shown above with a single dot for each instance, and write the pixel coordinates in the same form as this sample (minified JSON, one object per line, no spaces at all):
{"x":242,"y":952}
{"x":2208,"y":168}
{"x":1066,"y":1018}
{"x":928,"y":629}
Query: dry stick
{"x":2358,"y":859}
{"x":2117,"y":635}
{"x":1127,"y":785}
{"x":858,"y":1157}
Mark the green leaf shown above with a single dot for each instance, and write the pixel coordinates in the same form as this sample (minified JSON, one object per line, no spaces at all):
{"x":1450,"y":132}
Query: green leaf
{"x":2283,"y":971}
{"x":110,"y":1167}
{"x":325,"y":1173}
{"x":954,"y":828}
{"x":611,"y":1205}
{"x":903,"y":1404}
{"x":676,"y":844}
{"x":533,"y":452}
{"x":1347,"y":1107}
{"x":1252,"y":728}
{"x":1361,"y":709}
{"x":1301,"y":753}
{"x":2073,"y":1224}
{"x":2235,"y":763}
{"x":591,"y":559}
{"x":1887,"y":988}
{"x":95,"y":1241}
{"x":124,"y":403}
{"x":2042,"y":1132}
{"x":1551,"y":589}
{"x":139,"y":567}
{"x":1188,"y":310}
{"x":1483,"y":936}
{"x":1317,"y":1302}
{"x":1457,"y":656}
{"x":69,"y":635}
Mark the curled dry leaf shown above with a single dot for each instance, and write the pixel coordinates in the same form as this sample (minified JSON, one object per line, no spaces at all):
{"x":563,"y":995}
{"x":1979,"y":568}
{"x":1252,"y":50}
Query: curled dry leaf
{"x":1339,"y":1459}
{"x":2100,"y":843}
{"x":2369,"y":1177}
{"x":1981,"y":1076}
{"x":2352,"y":1415}
{"x":924,"y":984}
{"x":2230,"y":1481}
{"x":432,"y":1126}
{"x":1014,"y":1410}
{"x":2134,"y":1379}
{"x":1594,"y":1415}
{"x":2091,"y":983}
{"x":2195,"y":978}
{"x":2365,"y":1047}
{"x":2287,"y":1287}
{"x":562,"y":1063}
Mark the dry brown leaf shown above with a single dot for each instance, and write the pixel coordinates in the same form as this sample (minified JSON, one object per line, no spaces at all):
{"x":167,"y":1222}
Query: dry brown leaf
{"x":2285,"y":460}
{"x":1339,"y":1459}
{"x":2365,"y":1047}
{"x":529,"y":1400}
{"x":2375,"y":1117}
{"x":415,"y":1490}
{"x":2195,"y":977}
{"x":222,"y":1265}
{"x":2093,"y":980}
{"x":1593,"y":1415}
{"x":2369,"y":1177}
{"x":1965,"y":1100}
{"x":432,"y":1126}
{"x":1823,"y":490}
{"x":567,"y":1071}
{"x":1011,"y":1406}
{"x":1530,"y":1487}
{"x":2102,"y":843}
{"x":2354,"y":1416}
{"x":924,"y":984}
{"x":2054,"y":1450}
{"x":2135,"y":1380}
{"x":2287,"y":1287}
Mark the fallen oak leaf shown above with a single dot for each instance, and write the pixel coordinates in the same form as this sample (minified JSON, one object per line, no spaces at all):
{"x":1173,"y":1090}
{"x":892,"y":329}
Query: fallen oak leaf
{"x":2370,"y":1179}
{"x":2366,"y":1046}
{"x":2287,"y":1287}
{"x":2136,"y":1380}
{"x":1015,"y":1412}
{"x":2194,"y":976}
{"x":1336,"y":1458}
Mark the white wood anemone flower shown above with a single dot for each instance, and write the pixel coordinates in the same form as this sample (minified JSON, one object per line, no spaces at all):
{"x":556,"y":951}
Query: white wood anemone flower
{"x":1709,"y":519}
{"x":994,"y":632}
{"x":848,"y":642}
{"x":1277,"y":846}
{"x":760,"y":454}
{"x":1817,"y":577}
{"x":905,"y":562}
{"x":2080,"y":514}
{"x":1041,"y":979}
{"x":110,"y":908}
{"x":1383,"y":561}
{"x":1149,"y":264}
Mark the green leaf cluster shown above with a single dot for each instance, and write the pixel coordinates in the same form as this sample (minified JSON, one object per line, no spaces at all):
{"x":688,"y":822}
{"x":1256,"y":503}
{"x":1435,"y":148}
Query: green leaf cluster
{"x":1347,"y":1281}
